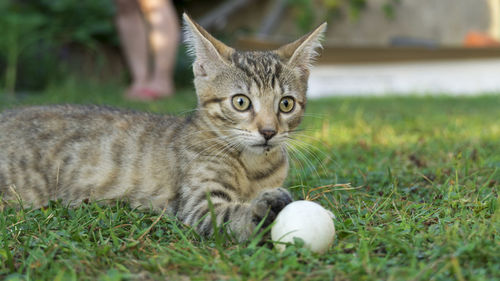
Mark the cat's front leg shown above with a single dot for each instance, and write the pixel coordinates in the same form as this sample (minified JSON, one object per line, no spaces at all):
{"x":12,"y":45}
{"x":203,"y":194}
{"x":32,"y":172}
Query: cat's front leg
{"x":240,"y":217}
{"x":268,"y":204}
{"x":260,"y":211}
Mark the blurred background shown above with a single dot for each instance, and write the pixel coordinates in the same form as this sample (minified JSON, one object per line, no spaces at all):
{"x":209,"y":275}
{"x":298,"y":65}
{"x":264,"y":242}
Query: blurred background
{"x":371,"y":47}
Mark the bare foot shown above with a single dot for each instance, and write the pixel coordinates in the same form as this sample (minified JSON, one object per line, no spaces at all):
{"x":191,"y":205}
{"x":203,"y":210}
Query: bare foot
{"x":163,"y":86}
{"x":143,"y":94}
{"x":151,"y":90}
{"x":132,"y":89}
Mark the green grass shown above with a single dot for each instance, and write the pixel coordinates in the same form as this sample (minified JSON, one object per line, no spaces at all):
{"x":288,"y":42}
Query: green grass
{"x":425,"y":206}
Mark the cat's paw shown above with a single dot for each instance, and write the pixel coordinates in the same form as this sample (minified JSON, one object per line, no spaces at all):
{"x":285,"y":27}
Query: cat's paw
{"x":268,"y":204}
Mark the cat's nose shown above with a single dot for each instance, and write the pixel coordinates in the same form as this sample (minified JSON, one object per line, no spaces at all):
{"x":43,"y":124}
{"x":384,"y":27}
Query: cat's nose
{"x":267,"y":133}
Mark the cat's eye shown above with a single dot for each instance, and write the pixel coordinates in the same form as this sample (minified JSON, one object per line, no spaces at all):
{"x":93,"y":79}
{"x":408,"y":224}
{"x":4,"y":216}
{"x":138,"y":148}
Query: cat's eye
{"x":287,"y":104}
{"x":241,"y":102}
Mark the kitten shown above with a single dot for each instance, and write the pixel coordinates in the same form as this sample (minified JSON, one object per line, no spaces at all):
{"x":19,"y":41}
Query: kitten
{"x":231,"y":149}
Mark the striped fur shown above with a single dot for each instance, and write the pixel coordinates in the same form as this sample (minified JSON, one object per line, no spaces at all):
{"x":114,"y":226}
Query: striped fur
{"x":77,"y":153}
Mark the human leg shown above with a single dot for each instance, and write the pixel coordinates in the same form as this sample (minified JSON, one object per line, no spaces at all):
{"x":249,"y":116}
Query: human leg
{"x":163,"y":39}
{"x":133,"y":34}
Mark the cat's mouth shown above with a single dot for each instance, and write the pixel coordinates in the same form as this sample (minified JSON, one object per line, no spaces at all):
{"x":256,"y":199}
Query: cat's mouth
{"x":264,"y":146}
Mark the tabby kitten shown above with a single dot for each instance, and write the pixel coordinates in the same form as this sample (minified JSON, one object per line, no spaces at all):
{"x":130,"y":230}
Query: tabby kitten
{"x":231,"y":149}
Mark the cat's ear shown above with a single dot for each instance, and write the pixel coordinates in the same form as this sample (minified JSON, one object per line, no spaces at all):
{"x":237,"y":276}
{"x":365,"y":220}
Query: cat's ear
{"x":301,"y":53}
{"x":209,"y":52}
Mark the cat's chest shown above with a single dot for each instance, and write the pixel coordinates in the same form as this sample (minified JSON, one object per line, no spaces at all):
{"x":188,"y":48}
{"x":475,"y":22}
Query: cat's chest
{"x":263,"y":171}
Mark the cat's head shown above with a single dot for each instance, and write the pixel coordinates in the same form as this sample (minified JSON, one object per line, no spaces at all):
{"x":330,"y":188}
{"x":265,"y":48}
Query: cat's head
{"x":252,"y":99}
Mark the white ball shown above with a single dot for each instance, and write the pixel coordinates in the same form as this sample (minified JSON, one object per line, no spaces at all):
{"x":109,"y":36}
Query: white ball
{"x":306,"y":220}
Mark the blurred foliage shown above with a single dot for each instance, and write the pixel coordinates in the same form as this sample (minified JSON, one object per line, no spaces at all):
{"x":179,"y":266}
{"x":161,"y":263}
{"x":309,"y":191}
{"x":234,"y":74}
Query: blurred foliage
{"x":389,"y":8}
{"x":37,"y":34}
{"x":73,"y":21}
{"x":307,"y":12}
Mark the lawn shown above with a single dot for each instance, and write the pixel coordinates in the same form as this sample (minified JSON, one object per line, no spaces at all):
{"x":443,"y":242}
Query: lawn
{"x":422,"y":204}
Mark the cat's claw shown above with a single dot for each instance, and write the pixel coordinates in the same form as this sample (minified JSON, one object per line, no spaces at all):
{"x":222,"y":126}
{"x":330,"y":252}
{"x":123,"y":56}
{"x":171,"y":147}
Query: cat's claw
{"x":268,"y":204}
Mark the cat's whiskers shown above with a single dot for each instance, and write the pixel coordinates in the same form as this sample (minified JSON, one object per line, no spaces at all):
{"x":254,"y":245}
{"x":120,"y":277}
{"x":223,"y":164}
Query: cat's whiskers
{"x":236,"y":145}
{"x":198,"y":109}
{"x":301,"y":155}
{"x":211,"y":148}
{"x":205,"y":140}
{"x":315,"y":115}
{"x":227,"y":147}
{"x":295,"y":131}
{"x":204,"y":131}
{"x":294,"y":161}
{"x":311,"y":149}
{"x":212,"y":140}
{"x":293,"y":138}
